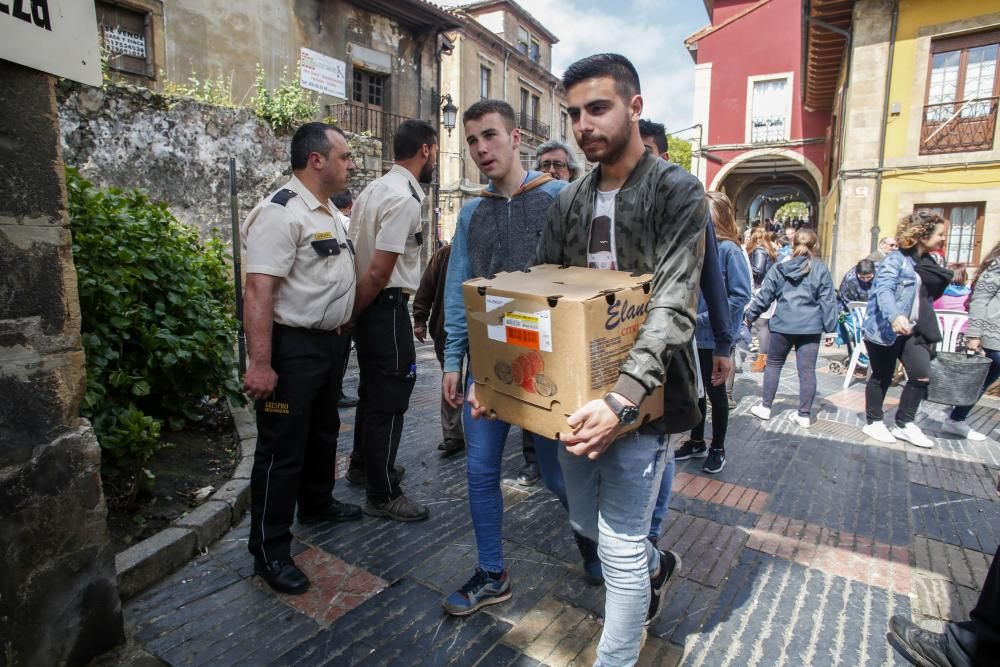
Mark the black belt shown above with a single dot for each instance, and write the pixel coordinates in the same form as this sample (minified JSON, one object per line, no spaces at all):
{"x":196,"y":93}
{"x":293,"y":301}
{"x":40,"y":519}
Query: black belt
{"x":303,"y":330}
{"x":392,"y":295}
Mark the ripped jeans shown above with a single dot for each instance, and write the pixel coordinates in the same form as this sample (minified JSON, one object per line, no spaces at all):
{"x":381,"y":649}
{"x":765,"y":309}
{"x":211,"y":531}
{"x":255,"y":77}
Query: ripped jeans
{"x":611,"y":500}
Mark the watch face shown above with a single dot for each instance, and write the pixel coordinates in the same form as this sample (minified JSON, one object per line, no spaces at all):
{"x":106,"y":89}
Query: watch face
{"x":629,"y":415}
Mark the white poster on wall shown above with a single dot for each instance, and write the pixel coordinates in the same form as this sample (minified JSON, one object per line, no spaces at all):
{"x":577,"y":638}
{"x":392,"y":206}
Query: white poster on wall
{"x":54,"y":36}
{"x":323,"y":74}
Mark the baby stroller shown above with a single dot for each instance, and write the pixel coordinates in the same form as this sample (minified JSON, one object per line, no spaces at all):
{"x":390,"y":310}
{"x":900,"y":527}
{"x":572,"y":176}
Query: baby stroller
{"x":849,"y":332}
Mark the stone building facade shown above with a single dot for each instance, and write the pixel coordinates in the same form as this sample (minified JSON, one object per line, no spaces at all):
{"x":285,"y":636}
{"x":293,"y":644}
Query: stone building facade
{"x":500,"y":52}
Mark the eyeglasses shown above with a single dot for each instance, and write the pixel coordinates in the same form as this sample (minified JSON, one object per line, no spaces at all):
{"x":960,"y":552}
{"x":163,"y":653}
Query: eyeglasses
{"x":552,"y":164}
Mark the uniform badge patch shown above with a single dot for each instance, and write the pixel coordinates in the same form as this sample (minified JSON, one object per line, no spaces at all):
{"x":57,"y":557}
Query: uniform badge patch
{"x":322,"y":236}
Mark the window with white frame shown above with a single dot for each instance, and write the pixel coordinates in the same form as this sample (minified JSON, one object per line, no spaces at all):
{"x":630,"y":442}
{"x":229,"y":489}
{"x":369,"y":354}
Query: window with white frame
{"x":769,"y":108}
{"x":484,"y":81}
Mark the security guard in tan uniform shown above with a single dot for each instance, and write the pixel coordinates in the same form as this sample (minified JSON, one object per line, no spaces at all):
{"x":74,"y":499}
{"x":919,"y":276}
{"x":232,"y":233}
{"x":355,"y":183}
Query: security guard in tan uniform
{"x":385,"y":227}
{"x":300,"y":290}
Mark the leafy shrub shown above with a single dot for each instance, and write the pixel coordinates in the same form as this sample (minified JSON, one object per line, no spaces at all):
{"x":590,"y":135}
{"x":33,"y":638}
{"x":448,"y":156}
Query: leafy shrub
{"x":156,"y":305}
{"x":288,"y":105}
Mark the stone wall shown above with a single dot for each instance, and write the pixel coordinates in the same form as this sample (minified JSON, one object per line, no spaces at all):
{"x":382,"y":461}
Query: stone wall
{"x":58,"y":596}
{"x":179,"y":150}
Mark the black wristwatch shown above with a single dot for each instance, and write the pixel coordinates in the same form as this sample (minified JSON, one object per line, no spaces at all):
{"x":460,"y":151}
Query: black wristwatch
{"x":627,"y":414}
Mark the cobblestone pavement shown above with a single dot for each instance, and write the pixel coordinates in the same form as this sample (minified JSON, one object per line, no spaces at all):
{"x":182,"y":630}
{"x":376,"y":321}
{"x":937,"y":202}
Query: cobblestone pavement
{"x":796,"y":554}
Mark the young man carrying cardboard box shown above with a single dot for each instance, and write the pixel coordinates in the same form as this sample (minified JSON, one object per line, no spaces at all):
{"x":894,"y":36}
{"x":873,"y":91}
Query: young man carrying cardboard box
{"x":634,"y":212}
{"x":498,"y":231}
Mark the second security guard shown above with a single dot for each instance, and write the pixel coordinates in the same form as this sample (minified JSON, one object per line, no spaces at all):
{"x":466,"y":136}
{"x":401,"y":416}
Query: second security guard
{"x":385,"y":228}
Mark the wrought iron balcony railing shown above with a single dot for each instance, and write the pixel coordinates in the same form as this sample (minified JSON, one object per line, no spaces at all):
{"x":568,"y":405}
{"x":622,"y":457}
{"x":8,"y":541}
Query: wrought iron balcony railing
{"x":767,"y":129}
{"x":533,"y":125}
{"x":955,"y":127}
{"x":357,"y":118}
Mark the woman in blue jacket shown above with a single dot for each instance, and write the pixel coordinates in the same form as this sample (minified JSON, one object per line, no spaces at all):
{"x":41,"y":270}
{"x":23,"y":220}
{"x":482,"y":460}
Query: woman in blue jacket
{"x":736,"y":277}
{"x":900,"y":325}
{"x":807,"y":307}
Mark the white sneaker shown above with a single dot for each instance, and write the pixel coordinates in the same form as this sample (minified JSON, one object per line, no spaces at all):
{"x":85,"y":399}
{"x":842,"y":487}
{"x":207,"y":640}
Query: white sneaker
{"x":802,"y":422}
{"x":962,"y":429}
{"x":912,"y":434}
{"x":761,"y":412}
{"x":879,"y":431}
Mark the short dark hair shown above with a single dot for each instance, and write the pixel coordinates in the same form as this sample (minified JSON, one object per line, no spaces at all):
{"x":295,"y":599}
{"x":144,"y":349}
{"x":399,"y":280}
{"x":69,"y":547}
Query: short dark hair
{"x":311,"y":138}
{"x":488,"y":106}
{"x":343,"y":200}
{"x":648,"y":128}
{"x":411,"y":134}
{"x":613,"y":65}
{"x":865,"y":266}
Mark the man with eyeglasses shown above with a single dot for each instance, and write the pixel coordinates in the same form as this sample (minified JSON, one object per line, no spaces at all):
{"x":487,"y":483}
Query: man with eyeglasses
{"x":556,"y":159}
{"x":885,"y":246}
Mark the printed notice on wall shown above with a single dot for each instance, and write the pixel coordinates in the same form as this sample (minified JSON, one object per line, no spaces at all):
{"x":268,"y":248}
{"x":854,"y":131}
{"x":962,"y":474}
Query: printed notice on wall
{"x":323,"y":74}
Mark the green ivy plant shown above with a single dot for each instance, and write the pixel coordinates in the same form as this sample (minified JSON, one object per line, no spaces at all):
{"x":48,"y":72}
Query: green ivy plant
{"x":287,"y":105}
{"x":158,"y":331}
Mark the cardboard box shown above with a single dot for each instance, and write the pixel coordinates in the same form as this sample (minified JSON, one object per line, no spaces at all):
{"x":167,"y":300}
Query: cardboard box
{"x":546,"y":341}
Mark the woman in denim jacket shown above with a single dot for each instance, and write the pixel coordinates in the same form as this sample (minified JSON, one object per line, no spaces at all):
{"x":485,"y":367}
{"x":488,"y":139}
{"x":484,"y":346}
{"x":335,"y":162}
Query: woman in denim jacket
{"x":900,"y":324}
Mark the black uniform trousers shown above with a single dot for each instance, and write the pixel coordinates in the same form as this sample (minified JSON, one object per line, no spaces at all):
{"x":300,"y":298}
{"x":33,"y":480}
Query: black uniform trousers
{"x":297,"y":428}
{"x":977,"y":641}
{"x":387,"y":363}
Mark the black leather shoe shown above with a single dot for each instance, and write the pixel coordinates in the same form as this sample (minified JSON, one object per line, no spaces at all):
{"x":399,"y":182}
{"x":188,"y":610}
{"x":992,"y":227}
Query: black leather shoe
{"x":529,"y":475}
{"x":347,"y":402}
{"x":282,"y":575}
{"x":335,"y":511}
{"x":451,"y":446}
{"x":919,"y":646}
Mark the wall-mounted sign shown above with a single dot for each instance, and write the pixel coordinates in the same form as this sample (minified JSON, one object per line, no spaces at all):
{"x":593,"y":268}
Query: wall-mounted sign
{"x":323,"y":74}
{"x":55,"y":36}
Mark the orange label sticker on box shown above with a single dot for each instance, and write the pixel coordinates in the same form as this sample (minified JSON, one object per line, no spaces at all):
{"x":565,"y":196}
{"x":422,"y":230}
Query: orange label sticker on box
{"x":529,"y":330}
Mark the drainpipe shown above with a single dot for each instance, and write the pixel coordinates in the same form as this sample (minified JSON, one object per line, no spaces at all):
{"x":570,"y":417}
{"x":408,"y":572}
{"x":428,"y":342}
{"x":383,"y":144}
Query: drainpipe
{"x":885,"y":122}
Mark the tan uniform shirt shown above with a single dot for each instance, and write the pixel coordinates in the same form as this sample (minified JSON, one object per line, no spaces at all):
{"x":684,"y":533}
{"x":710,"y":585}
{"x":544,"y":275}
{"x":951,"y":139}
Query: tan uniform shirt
{"x":386,"y":216}
{"x":294,"y":242}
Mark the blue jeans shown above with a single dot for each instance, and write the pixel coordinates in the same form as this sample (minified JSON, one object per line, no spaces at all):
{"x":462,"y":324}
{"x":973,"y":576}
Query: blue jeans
{"x":662,"y":499}
{"x":960,"y":412}
{"x":485,"y":439}
{"x":611,"y":500}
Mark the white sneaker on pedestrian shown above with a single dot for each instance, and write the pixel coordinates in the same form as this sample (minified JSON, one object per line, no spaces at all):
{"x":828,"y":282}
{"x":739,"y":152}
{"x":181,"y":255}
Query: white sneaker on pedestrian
{"x":963,"y":429}
{"x":879,"y":431}
{"x":801,"y":421}
{"x":761,"y":412}
{"x":912,"y":434}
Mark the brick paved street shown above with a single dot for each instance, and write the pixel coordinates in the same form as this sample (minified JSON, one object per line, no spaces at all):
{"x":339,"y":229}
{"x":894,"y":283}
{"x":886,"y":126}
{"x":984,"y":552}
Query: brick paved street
{"x":796,"y":554}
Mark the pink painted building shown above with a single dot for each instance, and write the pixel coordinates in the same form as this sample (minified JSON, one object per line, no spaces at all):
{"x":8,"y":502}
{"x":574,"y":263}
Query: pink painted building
{"x":759,"y":144}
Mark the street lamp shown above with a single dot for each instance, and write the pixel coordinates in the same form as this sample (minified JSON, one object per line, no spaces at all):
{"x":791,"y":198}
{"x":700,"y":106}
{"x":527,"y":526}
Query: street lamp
{"x":450,"y":113}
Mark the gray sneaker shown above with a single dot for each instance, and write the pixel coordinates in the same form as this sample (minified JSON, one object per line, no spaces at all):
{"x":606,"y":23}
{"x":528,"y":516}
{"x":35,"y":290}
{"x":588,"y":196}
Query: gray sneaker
{"x":398,"y":509}
{"x":479,"y":591}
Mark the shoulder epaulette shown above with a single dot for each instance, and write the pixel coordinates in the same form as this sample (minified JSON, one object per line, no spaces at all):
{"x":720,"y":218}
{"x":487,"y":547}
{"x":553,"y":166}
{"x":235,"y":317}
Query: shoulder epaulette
{"x":283,"y":196}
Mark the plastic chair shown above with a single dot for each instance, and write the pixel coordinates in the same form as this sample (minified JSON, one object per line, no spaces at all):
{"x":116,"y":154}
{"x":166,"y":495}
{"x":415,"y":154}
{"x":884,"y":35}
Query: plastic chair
{"x":857,"y":310}
{"x":953,"y":324}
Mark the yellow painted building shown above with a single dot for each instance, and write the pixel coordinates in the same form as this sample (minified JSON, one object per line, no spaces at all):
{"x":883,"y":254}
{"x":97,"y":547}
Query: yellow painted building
{"x":932,"y":141}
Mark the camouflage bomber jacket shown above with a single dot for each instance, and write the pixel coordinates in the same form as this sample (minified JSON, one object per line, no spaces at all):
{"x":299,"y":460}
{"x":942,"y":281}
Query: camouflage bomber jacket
{"x":660,"y":219}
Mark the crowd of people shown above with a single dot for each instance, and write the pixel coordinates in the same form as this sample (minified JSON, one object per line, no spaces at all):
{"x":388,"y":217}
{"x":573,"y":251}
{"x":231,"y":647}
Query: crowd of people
{"x":324,"y":269}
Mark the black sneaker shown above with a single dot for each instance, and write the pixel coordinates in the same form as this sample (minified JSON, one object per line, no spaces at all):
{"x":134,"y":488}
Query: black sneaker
{"x":335,"y":511}
{"x":670,"y":564}
{"x":691,"y":449}
{"x":919,"y":646}
{"x":715,"y":462}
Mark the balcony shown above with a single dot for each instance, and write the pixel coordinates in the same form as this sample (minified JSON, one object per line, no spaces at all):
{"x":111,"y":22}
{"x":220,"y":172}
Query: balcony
{"x":533,"y":125}
{"x":956,"y":127}
{"x":357,"y":118}
{"x":767,"y":129}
